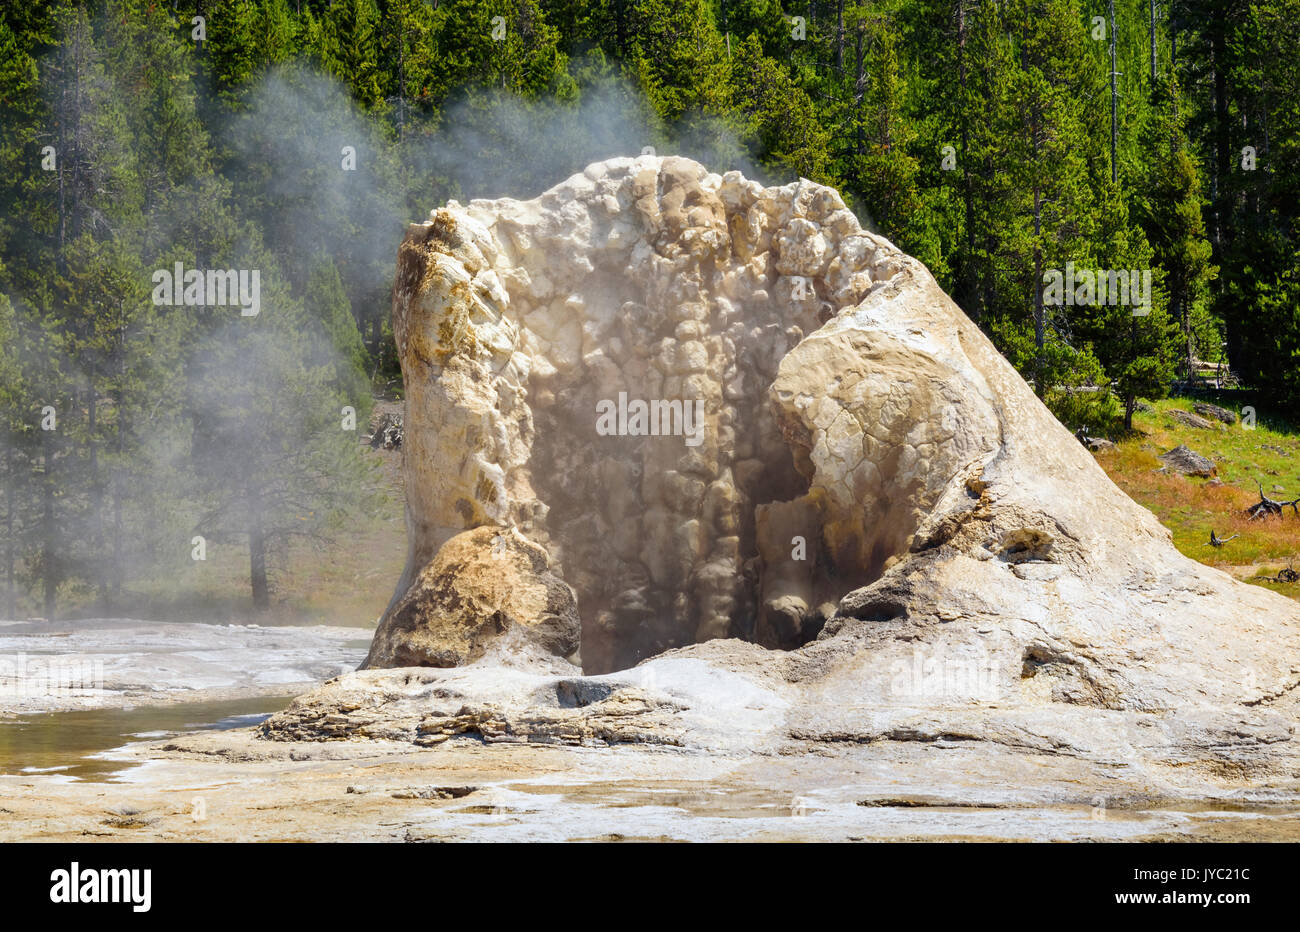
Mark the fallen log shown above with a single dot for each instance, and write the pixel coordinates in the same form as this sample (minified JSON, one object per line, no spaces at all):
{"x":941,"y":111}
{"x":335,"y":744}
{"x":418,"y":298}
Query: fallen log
{"x":1288,"y":575}
{"x":1267,"y":506}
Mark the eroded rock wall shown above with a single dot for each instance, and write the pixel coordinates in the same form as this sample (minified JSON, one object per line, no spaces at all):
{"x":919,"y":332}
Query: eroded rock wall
{"x":643,"y":281}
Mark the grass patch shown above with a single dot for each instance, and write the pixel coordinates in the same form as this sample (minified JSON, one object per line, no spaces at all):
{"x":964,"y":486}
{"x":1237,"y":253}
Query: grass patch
{"x":347,"y":581}
{"x":1191,"y":507}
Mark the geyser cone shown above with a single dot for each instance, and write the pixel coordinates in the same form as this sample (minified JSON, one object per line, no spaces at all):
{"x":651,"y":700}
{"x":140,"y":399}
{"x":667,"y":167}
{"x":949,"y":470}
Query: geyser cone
{"x":869,"y":470}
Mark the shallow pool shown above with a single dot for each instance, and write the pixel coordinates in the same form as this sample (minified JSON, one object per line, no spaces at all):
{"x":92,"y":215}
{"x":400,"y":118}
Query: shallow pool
{"x":63,"y":742}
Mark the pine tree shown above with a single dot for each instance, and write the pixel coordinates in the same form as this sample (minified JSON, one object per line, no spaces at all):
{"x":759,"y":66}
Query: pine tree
{"x":502,"y":44}
{"x":881,"y":166}
{"x":39,"y":409}
{"x":16,"y":472}
{"x":1169,"y":203}
{"x":985,"y":110}
{"x":95,"y":183}
{"x":20,"y":157}
{"x":1138,"y":345}
{"x":244,"y":38}
{"x":781,"y":122}
{"x":680,"y":58}
{"x":408,"y":62}
{"x":271,"y":457}
{"x":145,"y":52}
{"x":106,"y":284}
{"x":1043,"y":220}
{"x":327,"y":302}
{"x":349,"y":49}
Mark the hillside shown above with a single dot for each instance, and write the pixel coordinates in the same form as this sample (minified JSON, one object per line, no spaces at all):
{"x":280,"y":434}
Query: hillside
{"x":1191,"y":507}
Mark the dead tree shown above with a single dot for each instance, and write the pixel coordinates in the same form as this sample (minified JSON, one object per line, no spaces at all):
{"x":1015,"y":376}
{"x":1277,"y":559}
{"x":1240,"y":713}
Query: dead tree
{"x":1288,"y":575}
{"x":1266,"y":506}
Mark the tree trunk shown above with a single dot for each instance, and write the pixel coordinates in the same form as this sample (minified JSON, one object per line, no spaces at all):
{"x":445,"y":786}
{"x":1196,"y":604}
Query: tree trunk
{"x":1130,"y":400}
{"x":1179,"y":310}
{"x":47,"y":526}
{"x":257,"y":565}
{"x":1114,"y":103}
{"x":1219,"y":214}
{"x":96,"y":499}
{"x":1040,"y":334}
{"x":10,"y":605}
{"x":1152,"y":6}
{"x":59,"y":155}
{"x":968,"y":196}
{"x":401,"y":87}
{"x":859,"y":91}
{"x":118,"y":570}
{"x":1040,"y":361}
{"x":620,"y":27}
{"x":120,"y":425}
{"x":839,"y":37}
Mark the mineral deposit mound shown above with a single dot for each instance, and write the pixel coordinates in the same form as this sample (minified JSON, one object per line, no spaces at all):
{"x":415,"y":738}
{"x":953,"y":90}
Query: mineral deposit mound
{"x":657,"y":408}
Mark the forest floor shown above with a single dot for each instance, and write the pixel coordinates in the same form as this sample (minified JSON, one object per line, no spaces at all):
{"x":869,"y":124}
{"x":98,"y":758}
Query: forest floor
{"x":345,"y":581}
{"x":1192,"y":507}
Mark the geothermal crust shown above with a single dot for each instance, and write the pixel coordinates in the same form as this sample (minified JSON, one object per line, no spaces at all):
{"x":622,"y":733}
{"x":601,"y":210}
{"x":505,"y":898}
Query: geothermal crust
{"x":874,"y":489}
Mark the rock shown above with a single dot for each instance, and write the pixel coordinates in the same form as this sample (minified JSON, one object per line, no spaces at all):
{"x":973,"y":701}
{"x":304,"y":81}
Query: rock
{"x":387,"y":432}
{"x":1190,"y":420}
{"x":686,"y":317}
{"x":1098,"y":444}
{"x":1187,"y":462}
{"x":1214,"y":411}
{"x":486,"y":588}
{"x":521,"y":708}
{"x":863,"y":469}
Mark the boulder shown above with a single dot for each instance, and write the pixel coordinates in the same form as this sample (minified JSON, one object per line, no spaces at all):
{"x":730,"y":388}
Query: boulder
{"x":488,"y":590}
{"x":1188,"y":462}
{"x":1190,"y":420}
{"x":1206,"y":409}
